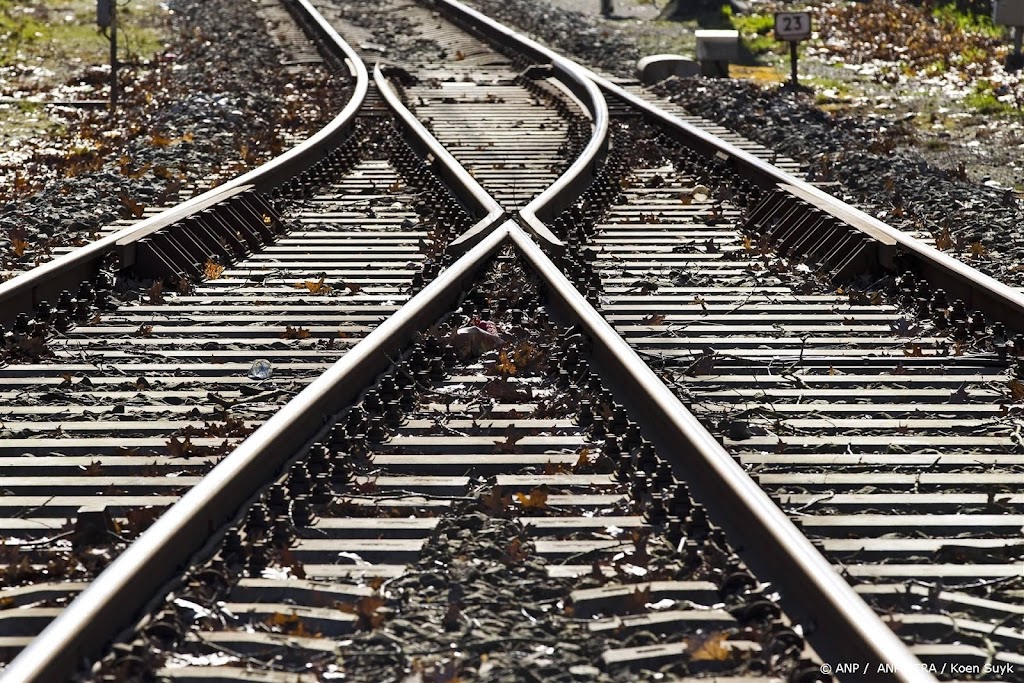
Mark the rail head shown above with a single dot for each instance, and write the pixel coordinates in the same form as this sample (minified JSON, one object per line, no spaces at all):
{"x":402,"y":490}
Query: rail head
{"x":576,"y":80}
{"x":464,"y":186}
{"x":977,"y":289}
{"x":845,"y":627}
{"x":143,"y":571}
{"x":22,"y":293}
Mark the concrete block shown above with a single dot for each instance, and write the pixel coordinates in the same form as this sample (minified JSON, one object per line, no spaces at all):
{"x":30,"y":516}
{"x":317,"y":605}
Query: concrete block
{"x":655,"y":68}
{"x":717,"y":45}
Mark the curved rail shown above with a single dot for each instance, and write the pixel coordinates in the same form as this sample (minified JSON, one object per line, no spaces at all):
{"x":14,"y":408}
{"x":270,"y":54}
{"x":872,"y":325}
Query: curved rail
{"x":459,"y":181}
{"x":564,"y":191}
{"x":135,"y":578}
{"x":845,"y":627}
{"x":119,"y":594}
{"x":23,"y":292}
{"x":848,"y":630}
{"x":961,"y":280}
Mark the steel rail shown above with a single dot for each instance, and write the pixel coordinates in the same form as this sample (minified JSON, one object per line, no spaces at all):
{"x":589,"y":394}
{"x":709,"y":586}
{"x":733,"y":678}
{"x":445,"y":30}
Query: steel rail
{"x":114,"y":600}
{"x":563,"y":192}
{"x":845,"y":628}
{"x":23,"y":293}
{"x":466,"y":188}
{"x":960,"y":280}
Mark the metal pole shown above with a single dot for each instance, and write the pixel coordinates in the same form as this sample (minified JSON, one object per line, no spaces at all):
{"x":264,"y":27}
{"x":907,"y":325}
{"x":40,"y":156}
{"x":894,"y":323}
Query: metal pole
{"x":113,"y":56}
{"x":792,"y":62}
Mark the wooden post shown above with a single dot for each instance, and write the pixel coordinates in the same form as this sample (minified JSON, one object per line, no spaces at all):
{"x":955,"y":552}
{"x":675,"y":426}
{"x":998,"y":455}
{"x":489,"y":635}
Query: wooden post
{"x":792,"y":62}
{"x":113,"y":57}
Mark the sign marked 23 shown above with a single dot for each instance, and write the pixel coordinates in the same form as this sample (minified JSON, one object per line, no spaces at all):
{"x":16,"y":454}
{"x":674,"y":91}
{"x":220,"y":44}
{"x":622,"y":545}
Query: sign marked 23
{"x":792,"y":25}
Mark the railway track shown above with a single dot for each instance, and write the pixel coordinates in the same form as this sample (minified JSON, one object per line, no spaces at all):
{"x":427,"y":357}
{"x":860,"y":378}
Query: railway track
{"x":370,"y":377}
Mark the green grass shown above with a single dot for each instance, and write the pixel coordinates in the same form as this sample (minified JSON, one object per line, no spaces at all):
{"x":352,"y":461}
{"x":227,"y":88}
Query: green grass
{"x":967,"y":20}
{"x":983,"y":101}
{"x":65,"y":30}
{"x":757,"y":31}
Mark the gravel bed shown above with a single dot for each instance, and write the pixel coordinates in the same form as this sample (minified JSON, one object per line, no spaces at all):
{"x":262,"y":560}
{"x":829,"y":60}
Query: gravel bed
{"x":478,"y":603}
{"x":208,"y":108}
{"x":579,"y":35}
{"x":872,"y":157}
{"x":976,"y":223}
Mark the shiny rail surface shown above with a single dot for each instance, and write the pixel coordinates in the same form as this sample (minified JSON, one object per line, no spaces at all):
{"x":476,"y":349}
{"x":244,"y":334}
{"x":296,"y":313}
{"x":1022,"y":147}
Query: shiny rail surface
{"x":329,"y":255}
{"x":651,"y":270}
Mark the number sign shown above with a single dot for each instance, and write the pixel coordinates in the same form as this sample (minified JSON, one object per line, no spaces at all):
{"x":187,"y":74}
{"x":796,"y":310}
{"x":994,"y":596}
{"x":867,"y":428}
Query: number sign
{"x":792,"y":25}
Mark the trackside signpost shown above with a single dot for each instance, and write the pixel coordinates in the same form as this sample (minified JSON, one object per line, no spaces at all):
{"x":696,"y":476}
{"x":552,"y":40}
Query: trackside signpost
{"x":106,"y":18}
{"x":792,"y":27}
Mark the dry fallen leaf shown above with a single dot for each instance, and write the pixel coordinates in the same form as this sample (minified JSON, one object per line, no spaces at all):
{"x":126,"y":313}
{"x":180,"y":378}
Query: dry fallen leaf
{"x":495,"y":501}
{"x":295,"y":333}
{"x":213,"y":270}
{"x":537,"y":499}
{"x":289,"y":624}
{"x":1016,"y":389}
{"x":713,"y":648}
{"x":367,"y":608}
{"x":314,"y":286}
{"x":512,"y":435}
{"x":514,"y":552}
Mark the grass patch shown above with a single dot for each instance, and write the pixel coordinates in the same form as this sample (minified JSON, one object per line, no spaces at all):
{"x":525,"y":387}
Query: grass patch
{"x":966,"y":20}
{"x":757,"y":31}
{"x":65,"y":31}
{"x":984,"y":101}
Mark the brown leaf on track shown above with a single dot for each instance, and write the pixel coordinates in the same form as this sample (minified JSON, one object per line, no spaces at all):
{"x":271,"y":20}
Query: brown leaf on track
{"x":512,"y":435}
{"x":551,"y":468}
{"x":537,"y":499}
{"x":583,"y":461}
{"x":179,"y":449}
{"x":515,"y":552}
{"x":495,"y":501}
{"x":1016,"y":389}
{"x":913,"y":350}
{"x":314,"y":286}
{"x":156,"y":292}
{"x":288,"y":559}
{"x":213,"y":270}
{"x":654,"y":319}
{"x":367,"y":608}
{"x":944,"y":240}
{"x":505,"y":366}
{"x":503,"y":390}
{"x":135,"y":208}
{"x":289,"y":624}
{"x":640,"y":556}
{"x":140,"y":519}
{"x":637,"y":600}
{"x":368,"y":486}
{"x":712,"y":648}
{"x":295,"y":333}
{"x":459,"y":55}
